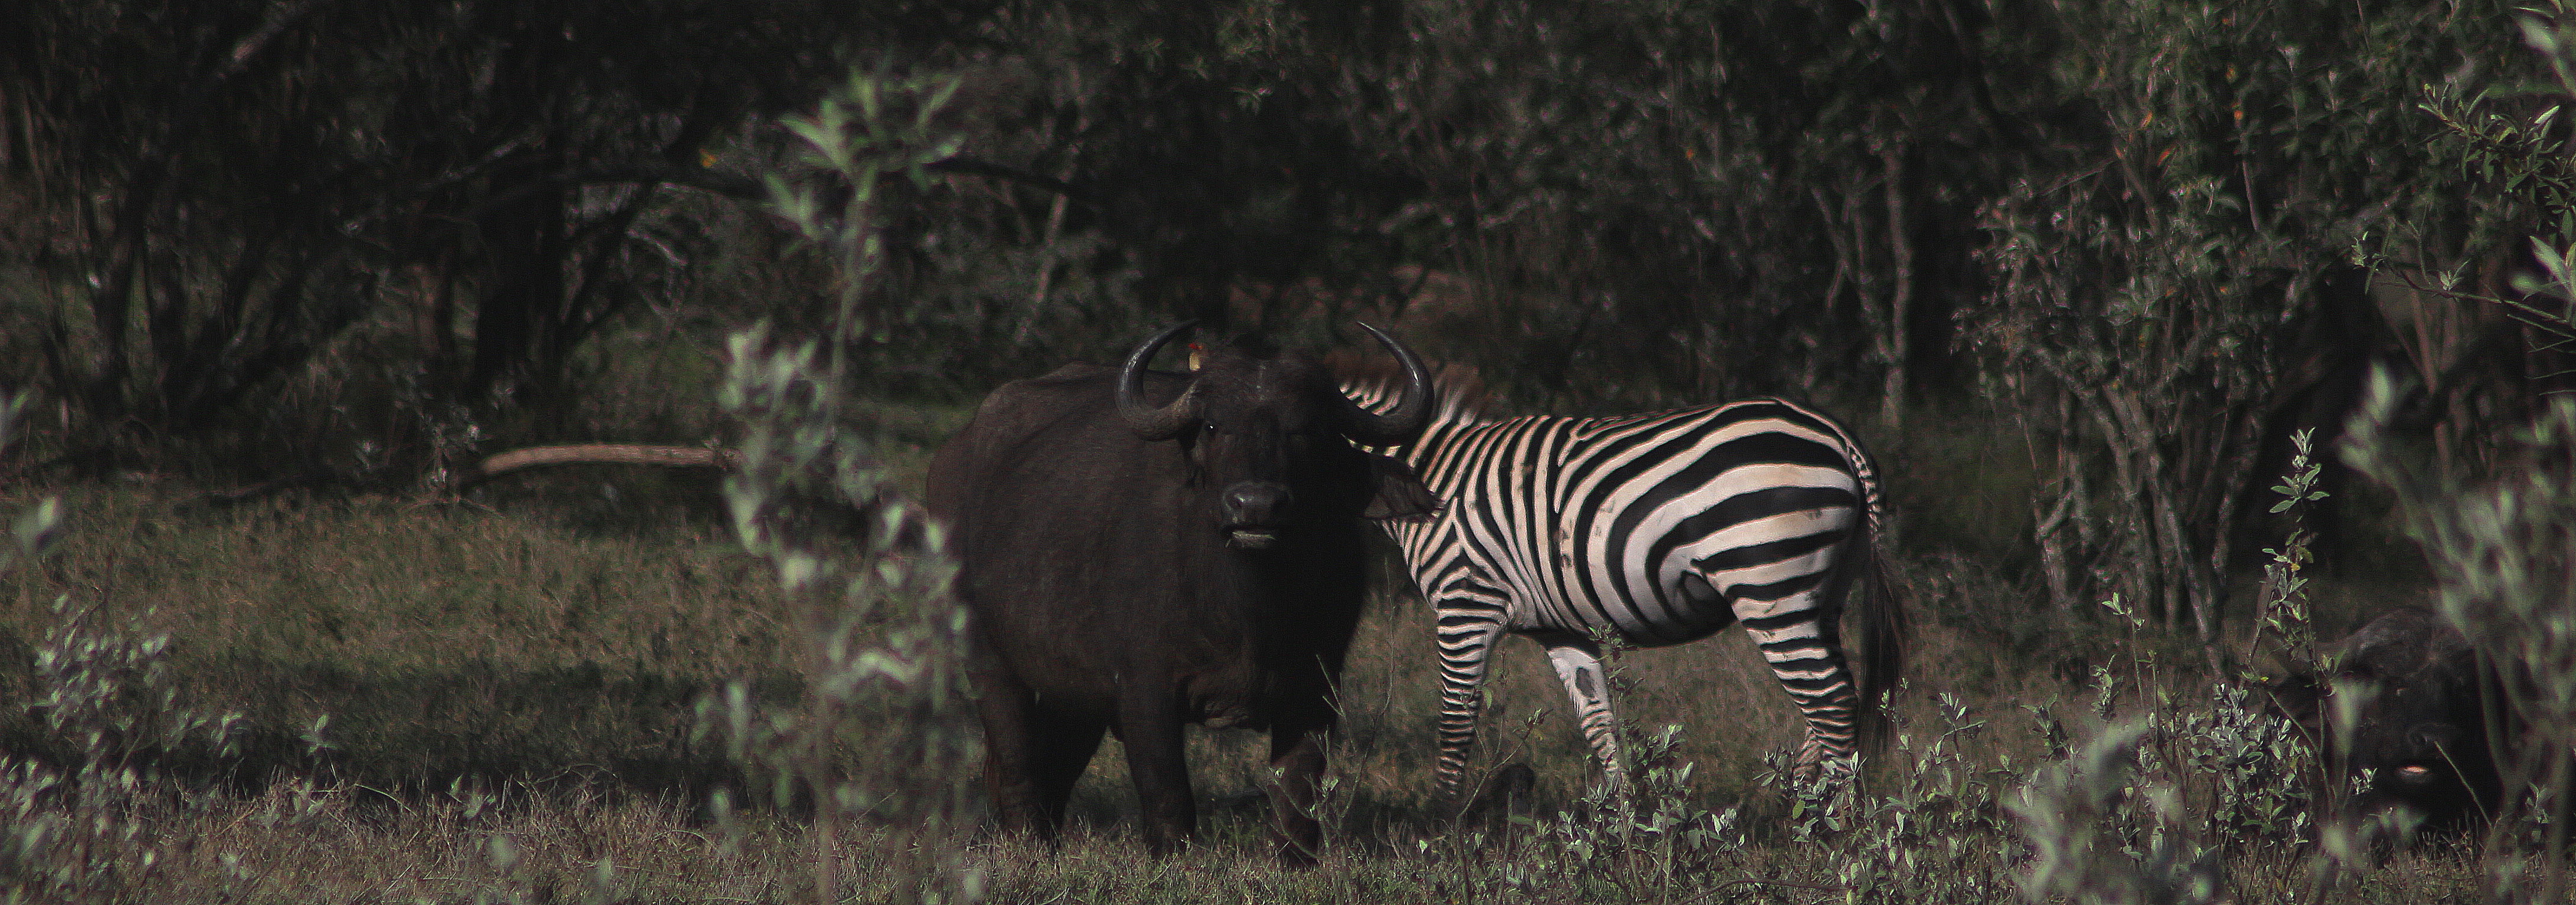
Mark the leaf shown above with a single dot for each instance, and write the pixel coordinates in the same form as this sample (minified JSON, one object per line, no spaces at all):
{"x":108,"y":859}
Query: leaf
{"x":36,"y":528}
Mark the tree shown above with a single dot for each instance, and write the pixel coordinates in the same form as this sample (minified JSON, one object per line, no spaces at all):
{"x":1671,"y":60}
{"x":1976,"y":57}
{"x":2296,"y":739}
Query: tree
{"x":228,"y":189}
{"x":2154,"y":275}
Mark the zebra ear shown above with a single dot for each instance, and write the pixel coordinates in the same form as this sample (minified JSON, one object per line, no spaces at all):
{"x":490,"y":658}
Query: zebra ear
{"x":1397,"y":494}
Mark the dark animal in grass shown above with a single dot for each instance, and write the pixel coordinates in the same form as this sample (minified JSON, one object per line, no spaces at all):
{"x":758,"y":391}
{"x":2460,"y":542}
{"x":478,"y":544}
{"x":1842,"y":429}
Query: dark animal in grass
{"x":2421,"y":738}
{"x":1142,"y":550}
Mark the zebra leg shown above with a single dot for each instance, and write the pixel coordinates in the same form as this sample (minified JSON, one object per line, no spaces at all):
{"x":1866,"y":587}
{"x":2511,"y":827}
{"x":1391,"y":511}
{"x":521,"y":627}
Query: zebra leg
{"x":1469,"y":625}
{"x":1807,"y":658}
{"x":1578,"y":665}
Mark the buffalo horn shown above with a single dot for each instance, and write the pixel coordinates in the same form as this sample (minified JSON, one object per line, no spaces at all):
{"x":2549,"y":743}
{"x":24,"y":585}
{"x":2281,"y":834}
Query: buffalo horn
{"x":1153,"y":423}
{"x":1411,"y":415}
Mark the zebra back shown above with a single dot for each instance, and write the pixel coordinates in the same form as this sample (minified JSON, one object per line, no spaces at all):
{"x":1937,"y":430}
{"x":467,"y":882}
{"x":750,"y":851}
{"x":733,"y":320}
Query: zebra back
{"x":1457,"y":390}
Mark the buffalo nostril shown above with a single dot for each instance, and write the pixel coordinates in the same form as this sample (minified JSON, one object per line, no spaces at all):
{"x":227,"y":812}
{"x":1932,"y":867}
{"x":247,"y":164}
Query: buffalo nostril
{"x":1253,"y":504}
{"x":2433,"y":735}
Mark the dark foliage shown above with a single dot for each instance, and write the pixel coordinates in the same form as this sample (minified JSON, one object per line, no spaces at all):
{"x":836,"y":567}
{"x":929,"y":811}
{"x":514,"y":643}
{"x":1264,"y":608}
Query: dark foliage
{"x":306,"y":238}
{"x":209,"y":196}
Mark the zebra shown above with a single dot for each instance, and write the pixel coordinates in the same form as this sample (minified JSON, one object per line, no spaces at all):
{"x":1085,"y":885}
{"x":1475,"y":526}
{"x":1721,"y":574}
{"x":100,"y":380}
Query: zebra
{"x":1657,"y":529}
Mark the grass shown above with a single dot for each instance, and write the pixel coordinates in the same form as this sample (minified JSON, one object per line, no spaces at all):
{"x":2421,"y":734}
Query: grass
{"x":379,"y":699}
{"x":524,"y":674}
{"x":448,"y":641}
{"x":440,"y":641}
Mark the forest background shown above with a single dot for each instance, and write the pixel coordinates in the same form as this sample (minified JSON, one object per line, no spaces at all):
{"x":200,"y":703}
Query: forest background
{"x":2079,"y":270}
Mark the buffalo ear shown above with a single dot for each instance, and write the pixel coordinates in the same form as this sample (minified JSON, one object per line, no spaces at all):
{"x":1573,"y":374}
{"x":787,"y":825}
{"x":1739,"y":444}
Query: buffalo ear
{"x":1396,"y":493}
{"x":2297,"y":699}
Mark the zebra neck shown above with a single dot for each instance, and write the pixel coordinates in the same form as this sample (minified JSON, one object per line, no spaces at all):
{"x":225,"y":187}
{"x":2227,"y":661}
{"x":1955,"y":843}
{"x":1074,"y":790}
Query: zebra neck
{"x":1429,"y":453}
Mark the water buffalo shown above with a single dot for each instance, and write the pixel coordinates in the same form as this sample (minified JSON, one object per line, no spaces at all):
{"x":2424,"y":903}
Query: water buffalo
{"x":2421,"y":738}
{"x":1140,"y":550}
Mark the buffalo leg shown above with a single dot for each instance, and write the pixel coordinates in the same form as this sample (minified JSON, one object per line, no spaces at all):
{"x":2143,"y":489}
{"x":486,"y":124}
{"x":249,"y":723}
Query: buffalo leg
{"x":1003,"y":706}
{"x":1063,"y":746}
{"x":1032,"y":755}
{"x":1150,"y":727}
{"x":1297,"y":766}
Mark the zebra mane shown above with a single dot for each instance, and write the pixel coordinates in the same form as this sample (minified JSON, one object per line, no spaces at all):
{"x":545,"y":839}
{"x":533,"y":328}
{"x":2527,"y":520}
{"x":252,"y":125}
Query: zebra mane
{"x":1458,"y":390}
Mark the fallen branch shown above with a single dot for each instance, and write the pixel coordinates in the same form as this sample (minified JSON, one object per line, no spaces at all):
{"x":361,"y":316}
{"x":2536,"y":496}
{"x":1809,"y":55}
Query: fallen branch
{"x":597,"y":454}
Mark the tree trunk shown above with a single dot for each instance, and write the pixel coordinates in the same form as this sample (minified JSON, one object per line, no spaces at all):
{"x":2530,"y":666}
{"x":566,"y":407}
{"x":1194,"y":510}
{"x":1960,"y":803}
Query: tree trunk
{"x":1893,"y":339}
{"x":525,"y":290}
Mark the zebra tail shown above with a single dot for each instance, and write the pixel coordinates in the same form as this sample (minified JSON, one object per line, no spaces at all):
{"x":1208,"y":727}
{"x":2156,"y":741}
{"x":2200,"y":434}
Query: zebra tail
{"x":1884,"y":635}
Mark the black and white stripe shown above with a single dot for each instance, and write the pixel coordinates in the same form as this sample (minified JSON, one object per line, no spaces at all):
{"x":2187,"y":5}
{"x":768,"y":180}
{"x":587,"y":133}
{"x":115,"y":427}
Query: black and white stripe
{"x":1659,"y":529}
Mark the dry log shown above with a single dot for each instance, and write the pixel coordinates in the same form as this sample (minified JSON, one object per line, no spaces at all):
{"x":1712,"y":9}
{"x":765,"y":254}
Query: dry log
{"x":598,"y":454}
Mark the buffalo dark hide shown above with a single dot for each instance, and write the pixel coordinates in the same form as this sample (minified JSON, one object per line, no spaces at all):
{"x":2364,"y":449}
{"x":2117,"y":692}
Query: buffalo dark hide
{"x":1142,"y":550}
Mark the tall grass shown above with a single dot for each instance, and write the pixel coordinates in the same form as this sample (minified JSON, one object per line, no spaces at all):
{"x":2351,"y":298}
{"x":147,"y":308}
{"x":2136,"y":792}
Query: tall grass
{"x":2505,"y":556}
{"x":530,"y":675}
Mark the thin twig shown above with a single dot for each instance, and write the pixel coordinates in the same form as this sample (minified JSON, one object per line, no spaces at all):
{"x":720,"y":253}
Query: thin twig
{"x":399,"y":804}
